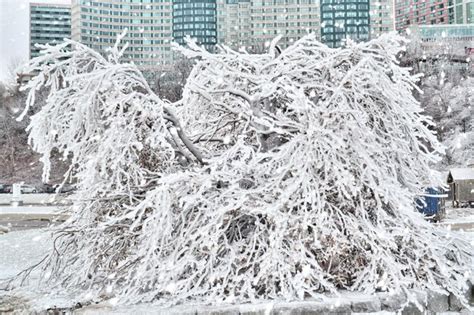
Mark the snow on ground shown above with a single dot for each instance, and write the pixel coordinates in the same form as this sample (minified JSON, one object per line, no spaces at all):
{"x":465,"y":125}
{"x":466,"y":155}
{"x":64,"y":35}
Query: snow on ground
{"x":18,"y":251}
{"x":459,"y":215}
{"x":30,"y":209}
{"x":461,"y":220}
{"x":324,"y":304}
{"x":21,"y":249}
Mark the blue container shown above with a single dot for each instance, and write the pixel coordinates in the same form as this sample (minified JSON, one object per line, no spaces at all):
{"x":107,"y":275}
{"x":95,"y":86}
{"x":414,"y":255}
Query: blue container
{"x":431,"y":203}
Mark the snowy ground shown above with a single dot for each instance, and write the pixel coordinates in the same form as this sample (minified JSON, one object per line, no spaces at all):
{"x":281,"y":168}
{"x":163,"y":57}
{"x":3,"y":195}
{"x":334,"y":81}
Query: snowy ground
{"x":20,"y":249}
{"x":456,"y":215}
{"x":459,"y":219}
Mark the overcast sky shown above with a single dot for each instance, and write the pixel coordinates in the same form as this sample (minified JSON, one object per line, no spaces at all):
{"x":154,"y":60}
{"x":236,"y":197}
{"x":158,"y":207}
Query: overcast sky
{"x":14,"y":31}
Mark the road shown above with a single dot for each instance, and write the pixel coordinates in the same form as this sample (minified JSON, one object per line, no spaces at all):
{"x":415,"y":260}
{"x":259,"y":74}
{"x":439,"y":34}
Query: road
{"x":30,"y":217}
{"x":26,"y":221}
{"x":37,"y":211}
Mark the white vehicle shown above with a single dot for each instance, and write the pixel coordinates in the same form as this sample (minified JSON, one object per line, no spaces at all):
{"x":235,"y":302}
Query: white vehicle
{"x":27,"y":189}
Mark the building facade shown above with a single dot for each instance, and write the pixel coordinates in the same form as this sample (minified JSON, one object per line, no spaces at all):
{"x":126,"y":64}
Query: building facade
{"x":382,"y":18}
{"x":292,"y":19}
{"x":344,"y":19}
{"x":49,"y":24}
{"x":462,"y":11}
{"x":454,"y":40}
{"x":152,"y":25}
{"x":421,"y":12}
{"x":148,"y":22}
{"x":253,"y":24}
{"x":234,"y":28}
{"x":196,"y":19}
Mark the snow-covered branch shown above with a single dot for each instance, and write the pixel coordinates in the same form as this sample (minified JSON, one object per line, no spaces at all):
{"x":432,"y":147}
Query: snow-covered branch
{"x":312,"y":161}
{"x":102,"y":114}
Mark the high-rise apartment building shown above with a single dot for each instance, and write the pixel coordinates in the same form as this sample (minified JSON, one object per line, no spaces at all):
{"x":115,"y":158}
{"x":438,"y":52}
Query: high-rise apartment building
{"x":255,"y":23}
{"x":153,"y":24}
{"x":382,"y":18}
{"x":234,"y":27}
{"x":421,"y":12}
{"x":291,"y":19}
{"x":49,"y":24}
{"x":344,"y":19}
{"x":148,"y":22}
{"x":196,"y":19}
{"x":461,"y":11}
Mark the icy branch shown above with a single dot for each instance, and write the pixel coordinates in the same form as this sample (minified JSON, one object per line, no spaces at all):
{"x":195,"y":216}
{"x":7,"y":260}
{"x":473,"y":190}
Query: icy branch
{"x":311,"y":189}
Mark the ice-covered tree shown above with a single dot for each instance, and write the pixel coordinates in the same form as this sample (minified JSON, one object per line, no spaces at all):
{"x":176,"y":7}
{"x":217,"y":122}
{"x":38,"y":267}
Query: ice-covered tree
{"x":279,"y":175}
{"x":450,"y":103}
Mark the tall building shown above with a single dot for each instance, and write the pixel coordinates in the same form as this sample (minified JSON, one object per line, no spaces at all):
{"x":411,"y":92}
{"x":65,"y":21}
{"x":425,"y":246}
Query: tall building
{"x":291,"y":19}
{"x":196,"y":19}
{"x":234,"y":27}
{"x":382,"y":18}
{"x":148,"y":23}
{"x":49,"y":24}
{"x":255,"y":23}
{"x":421,"y":12}
{"x":344,"y":19}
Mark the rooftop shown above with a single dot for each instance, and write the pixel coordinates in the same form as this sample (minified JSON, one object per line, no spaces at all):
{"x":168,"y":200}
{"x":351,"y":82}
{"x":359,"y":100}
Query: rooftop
{"x":461,"y":174}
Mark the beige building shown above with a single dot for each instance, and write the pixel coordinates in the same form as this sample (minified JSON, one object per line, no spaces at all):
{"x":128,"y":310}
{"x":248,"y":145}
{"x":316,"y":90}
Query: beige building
{"x":254,"y":23}
{"x":251,"y":24}
{"x":234,"y":23}
{"x":149,"y":24}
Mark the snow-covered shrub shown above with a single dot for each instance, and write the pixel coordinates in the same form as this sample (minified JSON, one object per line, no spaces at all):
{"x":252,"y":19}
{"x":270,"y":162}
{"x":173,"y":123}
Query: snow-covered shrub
{"x":295,"y":174}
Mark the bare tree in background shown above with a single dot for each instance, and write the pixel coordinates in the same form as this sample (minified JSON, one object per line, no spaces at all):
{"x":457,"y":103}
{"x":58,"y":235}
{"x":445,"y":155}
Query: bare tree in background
{"x":12,"y":133}
{"x":19,"y":162}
